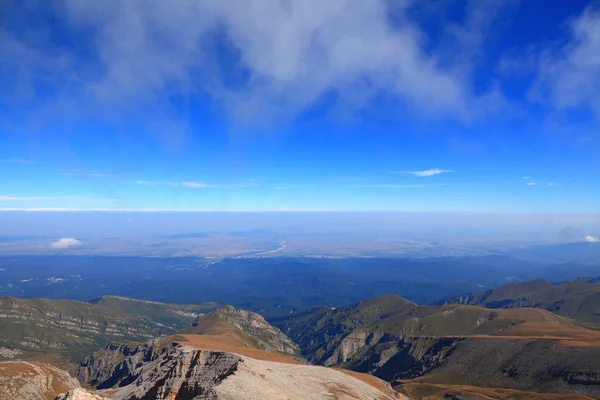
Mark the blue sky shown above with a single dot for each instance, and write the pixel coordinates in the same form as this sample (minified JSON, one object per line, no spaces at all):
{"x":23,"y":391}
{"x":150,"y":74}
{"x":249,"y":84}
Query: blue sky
{"x":444,"y":105}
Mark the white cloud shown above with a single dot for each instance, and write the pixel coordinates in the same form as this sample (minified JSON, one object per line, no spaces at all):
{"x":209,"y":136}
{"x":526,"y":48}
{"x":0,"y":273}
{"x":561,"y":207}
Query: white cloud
{"x":283,"y":57}
{"x":88,"y":173}
{"x":550,"y":184}
{"x":530,"y":183}
{"x":570,"y":77}
{"x":65,"y":243}
{"x":424,"y":173}
{"x":156,"y":183}
{"x":591,"y":239}
{"x":526,"y":178}
{"x":196,"y":185}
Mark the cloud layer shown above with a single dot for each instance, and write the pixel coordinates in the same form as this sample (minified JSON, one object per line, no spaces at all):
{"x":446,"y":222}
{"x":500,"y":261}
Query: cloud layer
{"x":259,"y":59}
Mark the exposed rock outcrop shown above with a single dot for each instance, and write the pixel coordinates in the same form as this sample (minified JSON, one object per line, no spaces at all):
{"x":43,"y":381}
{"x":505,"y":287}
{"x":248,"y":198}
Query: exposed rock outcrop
{"x":20,"y":380}
{"x":80,"y":394}
{"x":175,"y":371}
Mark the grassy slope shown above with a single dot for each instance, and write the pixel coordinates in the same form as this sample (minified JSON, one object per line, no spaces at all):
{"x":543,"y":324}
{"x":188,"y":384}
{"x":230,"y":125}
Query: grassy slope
{"x":61,"y":331}
{"x":444,"y":392}
{"x":177,"y":315}
{"x":576,"y":299}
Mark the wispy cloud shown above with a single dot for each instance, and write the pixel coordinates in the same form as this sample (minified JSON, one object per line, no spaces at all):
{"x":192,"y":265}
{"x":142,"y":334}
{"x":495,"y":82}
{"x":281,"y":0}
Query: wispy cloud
{"x":526,"y":178}
{"x":551,"y":184}
{"x":591,"y":239}
{"x":60,"y":198}
{"x":156,"y":183}
{"x":420,"y":185}
{"x":530,"y":183}
{"x":568,"y":78}
{"x":77,"y":172}
{"x":196,"y":184}
{"x":424,"y":173}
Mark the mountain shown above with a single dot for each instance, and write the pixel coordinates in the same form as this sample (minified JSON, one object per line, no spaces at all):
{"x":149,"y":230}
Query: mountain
{"x":20,"y":380}
{"x":578,"y":299}
{"x":243,"y":327}
{"x":221,"y":356}
{"x":61,"y":331}
{"x":582,"y":253}
{"x":396,"y":340}
{"x":175,"y":316}
{"x":183,"y":371}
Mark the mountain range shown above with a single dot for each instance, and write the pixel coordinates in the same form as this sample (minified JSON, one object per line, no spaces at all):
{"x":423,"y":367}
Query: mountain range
{"x":578,"y":299}
{"x":517,"y":341}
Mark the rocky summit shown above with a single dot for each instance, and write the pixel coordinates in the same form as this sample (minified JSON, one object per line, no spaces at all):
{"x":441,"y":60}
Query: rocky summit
{"x":183,"y":371}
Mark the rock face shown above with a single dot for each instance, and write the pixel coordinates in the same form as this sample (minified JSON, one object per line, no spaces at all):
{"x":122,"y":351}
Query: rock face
{"x":525,"y":349}
{"x":521,"y":364}
{"x":21,"y":380}
{"x":79,"y":394}
{"x":174,"y":371}
{"x":252,"y":325}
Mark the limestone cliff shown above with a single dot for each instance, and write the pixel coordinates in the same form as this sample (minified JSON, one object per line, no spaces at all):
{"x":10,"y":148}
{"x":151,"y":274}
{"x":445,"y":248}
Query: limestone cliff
{"x":177,"y":371}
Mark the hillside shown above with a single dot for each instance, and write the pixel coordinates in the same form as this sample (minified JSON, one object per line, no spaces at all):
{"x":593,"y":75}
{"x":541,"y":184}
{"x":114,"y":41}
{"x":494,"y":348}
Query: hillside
{"x":221,"y":356}
{"x":396,"y":340}
{"x":578,"y":299}
{"x":63,"y":330}
{"x":175,"y":316}
{"x":245,"y":328}
{"x":20,"y":380}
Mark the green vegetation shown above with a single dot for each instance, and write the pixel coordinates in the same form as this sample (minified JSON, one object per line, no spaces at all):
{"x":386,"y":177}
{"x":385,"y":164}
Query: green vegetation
{"x":577,"y":299}
{"x":60,"y":330}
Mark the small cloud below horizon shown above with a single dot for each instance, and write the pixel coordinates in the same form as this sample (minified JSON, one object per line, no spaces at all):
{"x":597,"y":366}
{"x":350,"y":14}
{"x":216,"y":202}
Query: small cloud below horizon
{"x":65,"y":243}
{"x":424,"y":173}
{"x":591,"y":239}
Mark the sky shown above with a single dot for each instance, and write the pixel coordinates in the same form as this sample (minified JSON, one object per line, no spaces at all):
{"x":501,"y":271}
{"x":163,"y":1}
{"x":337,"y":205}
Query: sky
{"x":268,"y":105}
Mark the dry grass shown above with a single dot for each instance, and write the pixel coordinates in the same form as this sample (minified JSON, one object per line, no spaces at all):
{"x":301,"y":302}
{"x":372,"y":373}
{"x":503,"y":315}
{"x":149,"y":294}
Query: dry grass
{"x":438,"y":392}
{"x":232,"y":343}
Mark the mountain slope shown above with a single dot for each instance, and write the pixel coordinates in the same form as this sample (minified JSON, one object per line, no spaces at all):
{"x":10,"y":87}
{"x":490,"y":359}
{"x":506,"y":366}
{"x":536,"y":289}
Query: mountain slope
{"x":524,"y":349}
{"x":63,"y":329}
{"x":174,"y":316}
{"x":226,"y":354}
{"x":576,"y":299}
{"x":243,"y":327}
{"x":178,"y":371}
{"x":20,"y":380}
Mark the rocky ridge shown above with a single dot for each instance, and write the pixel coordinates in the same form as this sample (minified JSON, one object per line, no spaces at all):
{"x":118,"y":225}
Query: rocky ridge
{"x":177,"y":371}
{"x":251,"y":325}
